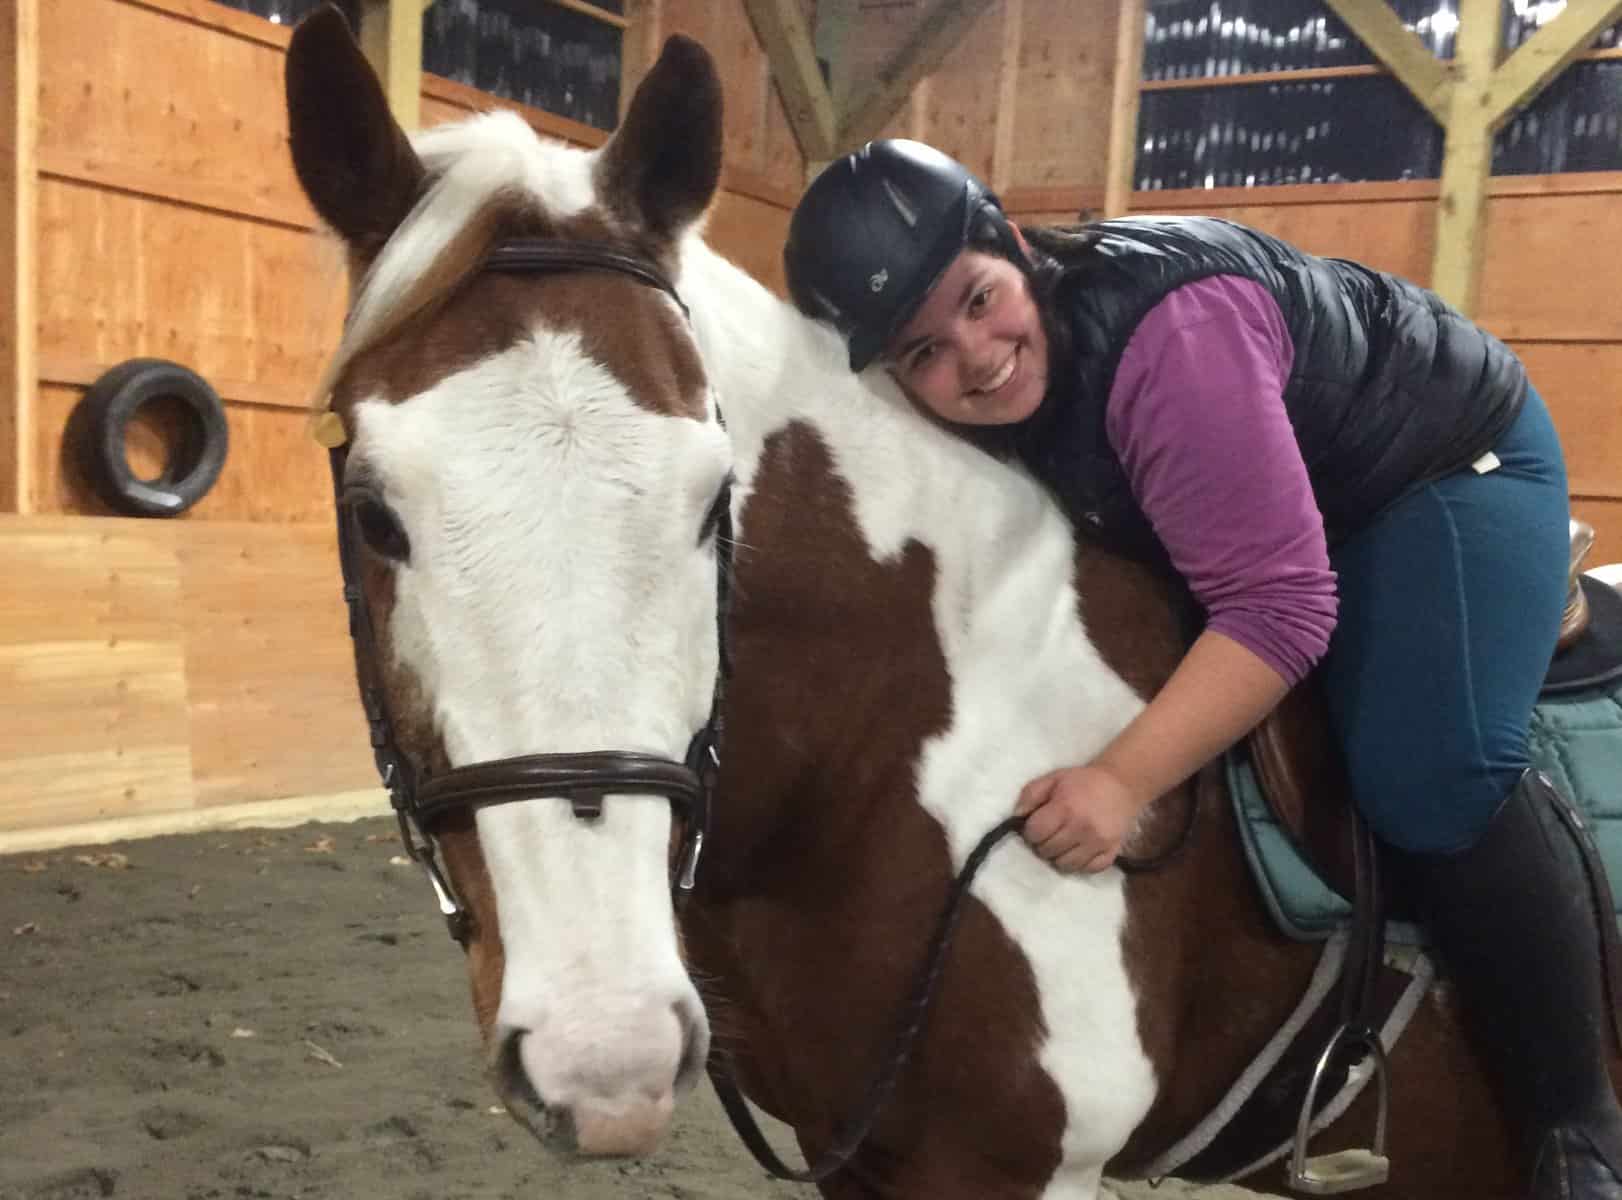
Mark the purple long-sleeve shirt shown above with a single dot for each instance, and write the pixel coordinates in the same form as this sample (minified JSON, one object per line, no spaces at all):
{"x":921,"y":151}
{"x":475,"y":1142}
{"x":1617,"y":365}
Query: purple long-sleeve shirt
{"x":1196,"y":416}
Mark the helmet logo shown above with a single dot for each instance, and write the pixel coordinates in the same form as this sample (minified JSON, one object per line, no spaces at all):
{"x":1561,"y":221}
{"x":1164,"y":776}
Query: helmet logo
{"x":878,"y":279}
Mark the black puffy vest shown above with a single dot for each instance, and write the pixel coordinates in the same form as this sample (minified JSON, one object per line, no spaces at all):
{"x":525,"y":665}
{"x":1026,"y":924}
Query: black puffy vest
{"x":1390,"y":387}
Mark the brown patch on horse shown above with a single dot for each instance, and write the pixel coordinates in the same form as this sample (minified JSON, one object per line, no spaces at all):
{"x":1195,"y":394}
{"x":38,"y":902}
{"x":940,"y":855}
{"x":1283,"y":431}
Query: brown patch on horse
{"x":629,"y":328}
{"x":825,"y":877}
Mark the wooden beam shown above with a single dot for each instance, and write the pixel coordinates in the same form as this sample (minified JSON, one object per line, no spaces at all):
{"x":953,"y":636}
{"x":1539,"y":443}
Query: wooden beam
{"x":1123,"y":121}
{"x":783,"y":33}
{"x":1002,"y":147}
{"x":639,"y":48}
{"x":871,"y":109}
{"x":391,"y":37}
{"x":19,"y":375}
{"x":1377,"y":26}
{"x":1538,"y":60}
{"x":1467,"y":161}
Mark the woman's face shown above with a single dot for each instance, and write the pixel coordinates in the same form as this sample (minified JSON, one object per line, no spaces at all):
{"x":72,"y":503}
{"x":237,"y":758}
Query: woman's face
{"x":976,"y":352}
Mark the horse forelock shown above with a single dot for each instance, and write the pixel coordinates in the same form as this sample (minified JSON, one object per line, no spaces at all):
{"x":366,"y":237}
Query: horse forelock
{"x":488,"y":175}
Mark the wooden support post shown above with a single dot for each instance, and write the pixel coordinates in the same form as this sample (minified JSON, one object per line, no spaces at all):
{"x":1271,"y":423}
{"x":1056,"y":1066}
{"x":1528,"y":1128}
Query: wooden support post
{"x":1378,"y":27}
{"x":783,"y":33}
{"x":391,"y":37}
{"x":640,"y":46}
{"x":1467,"y":161}
{"x":1123,"y":119}
{"x":1537,"y":61}
{"x":939,"y":32}
{"x":1002,"y":147}
{"x":19,"y":373}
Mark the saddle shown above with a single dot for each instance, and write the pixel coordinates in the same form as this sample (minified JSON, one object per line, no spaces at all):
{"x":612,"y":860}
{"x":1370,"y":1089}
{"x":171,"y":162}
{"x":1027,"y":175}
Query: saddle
{"x":1297,"y":769}
{"x":1302,"y":777}
{"x":1300,"y":769}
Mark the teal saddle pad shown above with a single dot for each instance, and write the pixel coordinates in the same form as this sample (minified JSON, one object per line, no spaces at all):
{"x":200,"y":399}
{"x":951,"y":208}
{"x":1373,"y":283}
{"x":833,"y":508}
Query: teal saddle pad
{"x":1576,"y":741}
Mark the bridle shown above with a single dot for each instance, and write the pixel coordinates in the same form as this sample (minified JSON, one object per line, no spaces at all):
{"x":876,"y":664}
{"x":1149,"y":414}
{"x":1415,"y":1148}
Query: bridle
{"x":421,"y":801}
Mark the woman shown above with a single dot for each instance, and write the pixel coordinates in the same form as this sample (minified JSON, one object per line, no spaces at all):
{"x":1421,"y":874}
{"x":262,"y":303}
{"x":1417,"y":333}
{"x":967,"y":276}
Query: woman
{"x":1269,"y":424}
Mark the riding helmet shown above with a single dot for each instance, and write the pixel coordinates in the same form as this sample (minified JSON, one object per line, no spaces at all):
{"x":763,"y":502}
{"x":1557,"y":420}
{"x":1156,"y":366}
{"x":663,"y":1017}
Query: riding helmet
{"x":875,"y":231}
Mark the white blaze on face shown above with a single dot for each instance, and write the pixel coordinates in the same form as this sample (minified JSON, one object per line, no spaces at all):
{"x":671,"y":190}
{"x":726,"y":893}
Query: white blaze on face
{"x":558,"y":598}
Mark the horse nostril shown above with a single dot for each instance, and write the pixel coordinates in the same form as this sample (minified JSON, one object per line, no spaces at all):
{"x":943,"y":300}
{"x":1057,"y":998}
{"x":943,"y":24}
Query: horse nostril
{"x":695,"y":1041}
{"x":512,"y":1081}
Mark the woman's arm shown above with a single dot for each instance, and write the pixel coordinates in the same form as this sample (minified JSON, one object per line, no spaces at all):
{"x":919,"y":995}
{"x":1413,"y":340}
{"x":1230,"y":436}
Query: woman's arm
{"x":1196,"y":415}
{"x":1079,"y":816}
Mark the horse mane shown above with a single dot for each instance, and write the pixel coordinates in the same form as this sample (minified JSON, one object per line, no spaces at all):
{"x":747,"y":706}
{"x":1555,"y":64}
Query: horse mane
{"x":481,"y":172}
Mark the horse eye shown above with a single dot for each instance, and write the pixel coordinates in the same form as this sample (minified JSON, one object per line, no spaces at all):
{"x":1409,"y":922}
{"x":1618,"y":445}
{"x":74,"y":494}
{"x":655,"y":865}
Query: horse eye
{"x":380,"y":527}
{"x":719,"y":507}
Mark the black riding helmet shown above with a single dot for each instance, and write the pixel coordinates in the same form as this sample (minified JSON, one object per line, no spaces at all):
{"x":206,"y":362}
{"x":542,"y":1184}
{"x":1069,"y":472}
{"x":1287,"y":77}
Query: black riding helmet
{"x":876,"y":230}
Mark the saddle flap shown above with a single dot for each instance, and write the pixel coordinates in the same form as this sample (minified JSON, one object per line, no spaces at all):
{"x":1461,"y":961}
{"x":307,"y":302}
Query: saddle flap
{"x":1303,"y":778}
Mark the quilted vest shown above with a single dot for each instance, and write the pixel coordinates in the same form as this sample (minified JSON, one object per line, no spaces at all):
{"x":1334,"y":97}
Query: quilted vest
{"x":1389,"y":389}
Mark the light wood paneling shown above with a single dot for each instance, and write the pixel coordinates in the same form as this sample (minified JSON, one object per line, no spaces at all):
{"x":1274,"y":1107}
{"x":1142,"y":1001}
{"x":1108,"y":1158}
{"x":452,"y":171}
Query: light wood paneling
{"x":751,"y":233}
{"x":960,"y":107}
{"x":157,"y":666}
{"x":126,"y":275}
{"x":273,"y":472}
{"x":273,"y":706}
{"x":134,"y":98}
{"x":1583,"y":387}
{"x":1551,"y":266}
{"x":1061,"y":131}
{"x":93,"y":671}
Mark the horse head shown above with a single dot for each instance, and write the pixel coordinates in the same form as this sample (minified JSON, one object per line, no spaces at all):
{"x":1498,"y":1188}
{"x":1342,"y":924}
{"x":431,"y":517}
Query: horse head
{"x":535,"y":470}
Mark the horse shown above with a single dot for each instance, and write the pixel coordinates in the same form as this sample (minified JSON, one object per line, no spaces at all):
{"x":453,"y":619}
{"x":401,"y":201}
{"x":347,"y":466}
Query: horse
{"x":553,"y":398}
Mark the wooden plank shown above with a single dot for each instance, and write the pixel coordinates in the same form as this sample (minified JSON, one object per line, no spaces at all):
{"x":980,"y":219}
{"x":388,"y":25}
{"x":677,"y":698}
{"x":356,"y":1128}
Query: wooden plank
{"x":1550,"y":265}
{"x":1583,"y":387}
{"x":781,"y":28}
{"x":19,"y":92}
{"x":874,"y":104}
{"x":1534,"y":64}
{"x":391,"y":37}
{"x":1007,"y":106}
{"x":1066,"y":77}
{"x":1467,"y":157}
{"x":751,"y":233}
{"x":957,"y":106}
{"x":269,"y":669}
{"x":1054,"y":206}
{"x":595,"y":11}
{"x":211,"y":139}
{"x":267,"y":814}
{"x":1204,"y":82}
{"x":1377,"y":26}
{"x":265,"y":313}
{"x":93,"y":671}
{"x":1566,"y":184}
{"x":1121,"y":170}
{"x":639,"y":48}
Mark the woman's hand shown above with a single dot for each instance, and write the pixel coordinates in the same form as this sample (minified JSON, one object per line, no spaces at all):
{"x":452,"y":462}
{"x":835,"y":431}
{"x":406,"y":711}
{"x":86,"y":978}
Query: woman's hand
{"x":1077,"y":817}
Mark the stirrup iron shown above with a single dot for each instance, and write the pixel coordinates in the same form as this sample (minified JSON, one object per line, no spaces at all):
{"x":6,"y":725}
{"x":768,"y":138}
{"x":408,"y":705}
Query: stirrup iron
{"x":1344,"y":1170}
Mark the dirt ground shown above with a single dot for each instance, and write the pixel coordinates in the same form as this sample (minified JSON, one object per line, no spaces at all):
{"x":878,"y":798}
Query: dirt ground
{"x":277,"y":1014}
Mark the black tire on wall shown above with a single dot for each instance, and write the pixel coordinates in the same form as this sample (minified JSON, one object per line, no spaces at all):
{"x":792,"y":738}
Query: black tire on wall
{"x":102,"y":420}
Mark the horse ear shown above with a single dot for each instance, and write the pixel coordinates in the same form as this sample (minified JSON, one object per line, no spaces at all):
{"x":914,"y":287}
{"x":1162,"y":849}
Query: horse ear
{"x":353,"y":160}
{"x":664,"y":162}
